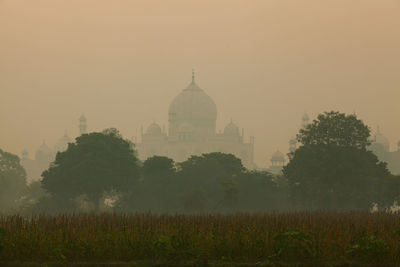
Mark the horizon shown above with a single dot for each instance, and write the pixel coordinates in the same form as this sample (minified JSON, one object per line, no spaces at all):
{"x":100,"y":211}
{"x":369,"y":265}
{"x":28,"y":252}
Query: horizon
{"x":263,"y":63}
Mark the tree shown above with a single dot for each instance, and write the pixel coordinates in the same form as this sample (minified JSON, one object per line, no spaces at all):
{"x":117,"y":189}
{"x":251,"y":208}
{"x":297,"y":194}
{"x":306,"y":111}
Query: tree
{"x":212,"y":174}
{"x":337,"y":129}
{"x":333,"y":169}
{"x":12,"y":182}
{"x":261,"y":191}
{"x":158,"y":192}
{"x":157,"y":166}
{"x":96,"y":164}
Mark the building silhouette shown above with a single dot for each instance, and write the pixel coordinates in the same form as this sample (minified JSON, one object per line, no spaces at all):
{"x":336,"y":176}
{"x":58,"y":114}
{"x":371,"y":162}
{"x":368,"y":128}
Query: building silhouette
{"x":44,"y":155}
{"x":192,"y":118}
{"x":381,"y":147}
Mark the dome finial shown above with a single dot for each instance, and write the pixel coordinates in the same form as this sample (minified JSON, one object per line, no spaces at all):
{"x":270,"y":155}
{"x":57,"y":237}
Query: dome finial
{"x":192,"y":75}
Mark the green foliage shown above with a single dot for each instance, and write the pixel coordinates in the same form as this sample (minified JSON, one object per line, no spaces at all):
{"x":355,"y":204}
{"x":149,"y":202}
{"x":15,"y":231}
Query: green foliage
{"x":94,"y":164}
{"x":338,"y":178}
{"x":333,"y":170}
{"x":158,"y":166}
{"x":369,"y":249}
{"x":203,"y":179}
{"x":12,"y":181}
{"x":294,"y":246}
{"x":336,"y":129}
{"x":162,"y":247}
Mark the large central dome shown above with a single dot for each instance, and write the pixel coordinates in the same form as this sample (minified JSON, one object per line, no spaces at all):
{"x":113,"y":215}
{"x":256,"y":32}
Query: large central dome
{"x":192,"y":109}
{"x":192,"y":104}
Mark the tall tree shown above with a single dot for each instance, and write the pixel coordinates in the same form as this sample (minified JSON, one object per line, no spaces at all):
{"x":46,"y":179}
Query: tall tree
{"x":336,"y":129}
{"x":12,"y":182}
{"x":332,"y":169}
{"x":211,"y":177}
{"x":95,"y":164}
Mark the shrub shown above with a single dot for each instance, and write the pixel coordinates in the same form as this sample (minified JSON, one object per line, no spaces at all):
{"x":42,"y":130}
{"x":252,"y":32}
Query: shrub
{"x":294,"y":246}
{"x":369,"y":249}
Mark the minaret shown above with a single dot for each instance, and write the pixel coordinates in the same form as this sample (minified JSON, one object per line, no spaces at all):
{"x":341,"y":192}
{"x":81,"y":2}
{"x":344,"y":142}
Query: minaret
{"x":25,"y":154}
{"x":305,"y":120}
{"x":292,"y":145}
{"x":192,"y":75}
{"x":82,"y":124}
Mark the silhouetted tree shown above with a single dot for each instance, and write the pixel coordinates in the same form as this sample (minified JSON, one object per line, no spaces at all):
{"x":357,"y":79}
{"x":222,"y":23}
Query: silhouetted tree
{"x":158,"y":188}
{"x":335,"y":129}
{"x":95,"y":164}
{"x":333,"y":169}
{"x":261,"y":191}
{"x":12,"y":182}
{"x":209,"y":173}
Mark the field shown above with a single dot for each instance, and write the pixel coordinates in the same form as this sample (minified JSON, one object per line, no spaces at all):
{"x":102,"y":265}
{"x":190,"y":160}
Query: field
{"x":308,"y":238}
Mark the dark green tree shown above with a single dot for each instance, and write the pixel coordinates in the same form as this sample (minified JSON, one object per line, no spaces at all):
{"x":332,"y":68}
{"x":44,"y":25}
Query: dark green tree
{"x":158,"y":188}
{"x":260,"y":191}
{"x":333,"y":169}
{"x":12,"y":182}
{"x":336,"y":129}
{"x":213,"y":175}
{"x":96,"y":163}
{"x":157,"y":166}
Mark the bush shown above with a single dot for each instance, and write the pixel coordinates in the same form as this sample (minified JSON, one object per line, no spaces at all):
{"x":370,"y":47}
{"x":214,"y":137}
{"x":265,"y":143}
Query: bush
{"x":369,"y":249}
{"x":294,"y":246}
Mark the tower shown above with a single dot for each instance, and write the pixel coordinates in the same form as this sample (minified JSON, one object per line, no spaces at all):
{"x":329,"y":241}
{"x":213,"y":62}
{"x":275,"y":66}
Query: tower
{"x":82,"y":124}
{"x":292,"y":145}
{"x":305,"y":120}
{"x":25,"y":154}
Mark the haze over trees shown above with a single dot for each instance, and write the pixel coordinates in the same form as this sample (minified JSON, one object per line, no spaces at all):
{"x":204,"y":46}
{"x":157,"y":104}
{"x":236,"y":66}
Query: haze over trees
{"x":96,"y":164}
{"x":331,"y":170}
{"x":12,"y":182}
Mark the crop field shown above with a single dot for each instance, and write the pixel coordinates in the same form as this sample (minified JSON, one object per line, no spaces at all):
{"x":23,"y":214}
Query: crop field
{"x":309,"y":238}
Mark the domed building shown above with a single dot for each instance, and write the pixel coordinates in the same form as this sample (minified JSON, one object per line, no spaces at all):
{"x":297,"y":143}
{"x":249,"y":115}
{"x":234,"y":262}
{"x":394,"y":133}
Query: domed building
{"x":192,"y":118}
{"x":44,"y":155}
{"x":277,"y":162}
{"x":62,"y":143}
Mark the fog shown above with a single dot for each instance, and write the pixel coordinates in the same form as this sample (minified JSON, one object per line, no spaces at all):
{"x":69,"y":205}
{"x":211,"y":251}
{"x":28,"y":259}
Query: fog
{"x":264,"y":63}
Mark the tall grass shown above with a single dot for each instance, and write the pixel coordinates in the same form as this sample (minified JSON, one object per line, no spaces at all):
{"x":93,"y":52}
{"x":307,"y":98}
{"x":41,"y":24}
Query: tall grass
{"x":303,"y":236}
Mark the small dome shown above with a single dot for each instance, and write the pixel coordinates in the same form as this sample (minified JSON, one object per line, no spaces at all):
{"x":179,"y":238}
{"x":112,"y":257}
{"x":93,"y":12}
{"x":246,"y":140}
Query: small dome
{"x":62,"y":143}
{"x":231,"y":129}
{"x":43,"y":152}
{"x":185,"y":128}
{"x":278,"y":156}
{"x":154,"y":129}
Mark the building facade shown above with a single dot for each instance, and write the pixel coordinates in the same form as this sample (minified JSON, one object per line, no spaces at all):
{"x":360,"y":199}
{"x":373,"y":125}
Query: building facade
{"x":192,"y":118}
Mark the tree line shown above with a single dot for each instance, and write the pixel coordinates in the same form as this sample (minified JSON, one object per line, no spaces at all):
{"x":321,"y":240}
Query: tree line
{"x":331,"y":170}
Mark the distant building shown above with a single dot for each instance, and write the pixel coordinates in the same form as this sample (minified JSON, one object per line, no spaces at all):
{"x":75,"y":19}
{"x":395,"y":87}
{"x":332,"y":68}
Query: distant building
{"x":278,"y":161}
{"x":44,"y":155}
{"x":381,"y":147}
{"x":192,"y":118}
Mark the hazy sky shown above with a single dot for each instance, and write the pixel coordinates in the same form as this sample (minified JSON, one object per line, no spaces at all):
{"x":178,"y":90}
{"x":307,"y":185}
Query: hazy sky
{"x":263,"y":62}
